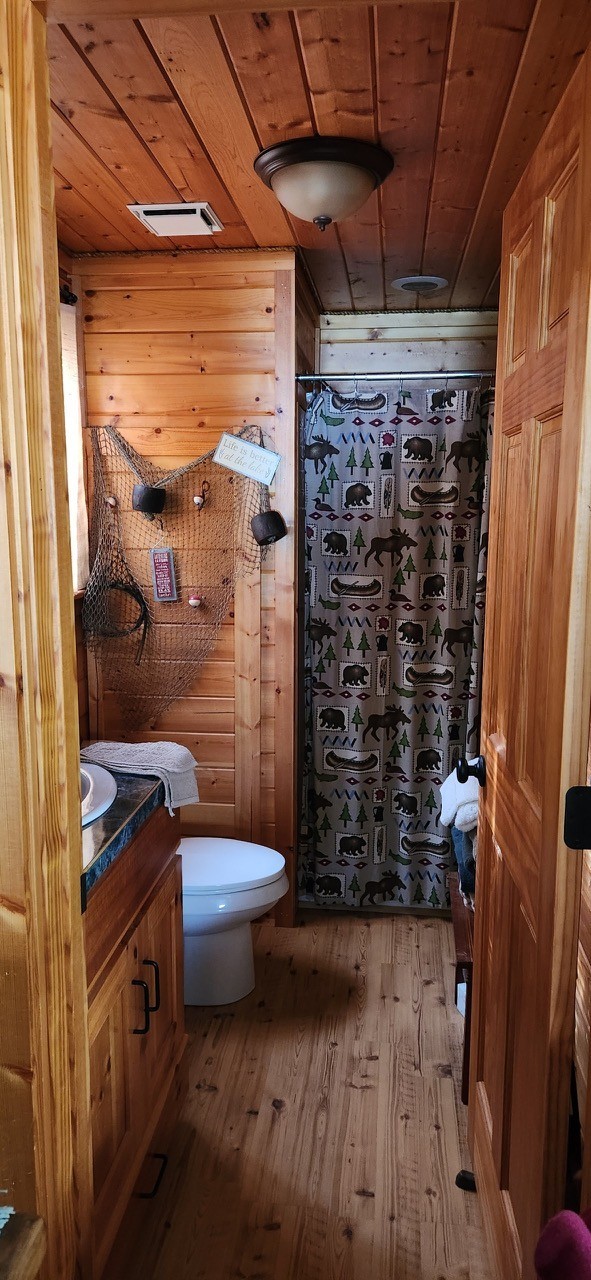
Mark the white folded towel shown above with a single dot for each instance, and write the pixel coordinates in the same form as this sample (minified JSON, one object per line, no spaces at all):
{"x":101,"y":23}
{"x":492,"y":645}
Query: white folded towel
{"x":169,"y":761}
{"x":459,"y":802}
{"x":467,"y":814}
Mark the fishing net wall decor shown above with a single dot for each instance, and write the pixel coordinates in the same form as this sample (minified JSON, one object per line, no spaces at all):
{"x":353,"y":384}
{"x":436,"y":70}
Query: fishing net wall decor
{"x":148,"y":650}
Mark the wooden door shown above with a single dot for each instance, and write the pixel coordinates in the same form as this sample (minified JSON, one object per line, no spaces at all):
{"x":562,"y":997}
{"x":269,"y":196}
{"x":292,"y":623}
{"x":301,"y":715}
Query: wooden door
{"x":113,"y":1013}
{"x":159,"y":963}
{"x":536,"y":695}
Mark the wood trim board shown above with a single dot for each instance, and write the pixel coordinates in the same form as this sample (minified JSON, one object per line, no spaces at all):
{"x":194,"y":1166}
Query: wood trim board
{"x":44,"y":1087}
{"x":86,"y":10}
{"x":286,"y":561}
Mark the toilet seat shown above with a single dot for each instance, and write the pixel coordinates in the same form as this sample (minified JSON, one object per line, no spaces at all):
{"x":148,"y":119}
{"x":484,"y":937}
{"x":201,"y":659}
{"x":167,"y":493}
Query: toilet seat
{"x":215,"y":864}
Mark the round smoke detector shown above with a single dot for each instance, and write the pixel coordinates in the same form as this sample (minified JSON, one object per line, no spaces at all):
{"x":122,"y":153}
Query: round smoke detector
{"x":419,"y":284}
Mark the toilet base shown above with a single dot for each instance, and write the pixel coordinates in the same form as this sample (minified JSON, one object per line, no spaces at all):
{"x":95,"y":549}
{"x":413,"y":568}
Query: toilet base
{"x":219,"y":967}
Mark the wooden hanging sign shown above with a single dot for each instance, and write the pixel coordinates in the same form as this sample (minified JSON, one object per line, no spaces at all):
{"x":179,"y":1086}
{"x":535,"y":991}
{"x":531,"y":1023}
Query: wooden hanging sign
{"x":163,"y":577}
{"x":246,"y":458}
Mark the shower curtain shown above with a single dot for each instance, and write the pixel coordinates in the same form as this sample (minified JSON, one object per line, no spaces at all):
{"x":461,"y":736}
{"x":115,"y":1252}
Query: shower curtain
{"x":396,"y":517}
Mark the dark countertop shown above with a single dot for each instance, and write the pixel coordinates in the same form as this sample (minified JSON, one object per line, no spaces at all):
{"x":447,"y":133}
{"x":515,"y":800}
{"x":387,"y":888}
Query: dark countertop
{"x":104,"y":839}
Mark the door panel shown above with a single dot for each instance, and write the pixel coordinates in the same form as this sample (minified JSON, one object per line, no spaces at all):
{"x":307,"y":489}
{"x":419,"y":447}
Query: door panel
{"x":520,"y":284}
{"x":536,"y":693}
{"x":559,"y":245}
{"x":111,"y":1018}
{"x":505,"y":638}
{"x":524,"y":1153}
{"x":545,"y":464}
{"x":160,"y":941}
{"x":497,"y":1043}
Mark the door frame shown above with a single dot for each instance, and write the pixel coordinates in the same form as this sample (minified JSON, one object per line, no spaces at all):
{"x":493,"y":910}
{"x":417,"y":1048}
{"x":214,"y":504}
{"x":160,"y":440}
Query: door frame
{"x":44,"y":1088}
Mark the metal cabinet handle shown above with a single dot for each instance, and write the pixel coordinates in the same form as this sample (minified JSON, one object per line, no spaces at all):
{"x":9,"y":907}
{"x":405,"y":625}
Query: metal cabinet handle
{"x":149,"y":1195}
{"x":142,"y":1031}
{"x":476,"y":770}
{"x":156,"y":967}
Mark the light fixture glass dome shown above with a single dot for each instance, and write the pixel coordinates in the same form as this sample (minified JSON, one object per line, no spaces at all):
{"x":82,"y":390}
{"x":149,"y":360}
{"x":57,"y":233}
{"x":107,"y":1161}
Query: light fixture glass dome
{"x":323,"y":180}
{"x":320,"y":189}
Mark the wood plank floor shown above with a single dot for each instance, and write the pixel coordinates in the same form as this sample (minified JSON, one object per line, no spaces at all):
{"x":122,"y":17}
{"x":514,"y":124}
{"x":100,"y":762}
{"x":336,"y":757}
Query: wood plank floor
{"x":322,"y":1129}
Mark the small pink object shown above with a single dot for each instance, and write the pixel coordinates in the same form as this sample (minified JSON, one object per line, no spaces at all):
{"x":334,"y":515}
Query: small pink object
{"x":563,"y":1251}
{"x":196,"y":601}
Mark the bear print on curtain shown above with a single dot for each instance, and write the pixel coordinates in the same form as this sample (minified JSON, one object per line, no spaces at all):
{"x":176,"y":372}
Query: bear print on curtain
{"x":396,"y":493}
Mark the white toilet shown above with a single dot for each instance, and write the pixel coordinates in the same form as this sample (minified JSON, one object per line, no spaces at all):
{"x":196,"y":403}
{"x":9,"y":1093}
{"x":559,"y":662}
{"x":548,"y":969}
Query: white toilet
{"x":226,"y":884}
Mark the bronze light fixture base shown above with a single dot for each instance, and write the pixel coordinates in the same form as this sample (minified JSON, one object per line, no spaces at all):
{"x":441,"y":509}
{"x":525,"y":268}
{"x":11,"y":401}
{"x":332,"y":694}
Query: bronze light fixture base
{"x":323,"y":179}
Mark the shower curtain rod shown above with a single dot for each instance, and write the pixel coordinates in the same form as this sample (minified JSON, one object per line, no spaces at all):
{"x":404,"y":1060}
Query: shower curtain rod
{"x":393,"y":377}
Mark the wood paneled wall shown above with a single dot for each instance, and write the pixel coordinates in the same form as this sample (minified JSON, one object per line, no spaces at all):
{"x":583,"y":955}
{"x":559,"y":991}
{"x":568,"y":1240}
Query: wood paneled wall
{"x":408,"y":341}
{"x":179,"y":349}
{"x":307,"y":330}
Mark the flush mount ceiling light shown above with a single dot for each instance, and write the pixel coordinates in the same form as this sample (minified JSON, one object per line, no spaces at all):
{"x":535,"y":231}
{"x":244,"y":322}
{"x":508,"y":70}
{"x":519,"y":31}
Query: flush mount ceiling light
{"x":322,"y":180}
{"x":420,"y":284}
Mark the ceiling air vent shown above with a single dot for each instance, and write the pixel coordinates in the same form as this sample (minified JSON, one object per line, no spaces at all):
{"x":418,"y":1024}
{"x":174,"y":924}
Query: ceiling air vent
{"x":419,"y":284}
{"x":191,"y":219}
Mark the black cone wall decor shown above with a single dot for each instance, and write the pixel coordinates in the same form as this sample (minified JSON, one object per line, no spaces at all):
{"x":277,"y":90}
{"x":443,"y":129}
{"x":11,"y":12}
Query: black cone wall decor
{"x":268,"y":527}
{"x":149,"y":499}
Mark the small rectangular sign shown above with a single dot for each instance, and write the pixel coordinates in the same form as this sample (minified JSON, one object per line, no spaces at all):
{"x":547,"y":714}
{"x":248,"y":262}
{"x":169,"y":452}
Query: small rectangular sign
{"x":246,"y":458}
{"x":163,"y":578}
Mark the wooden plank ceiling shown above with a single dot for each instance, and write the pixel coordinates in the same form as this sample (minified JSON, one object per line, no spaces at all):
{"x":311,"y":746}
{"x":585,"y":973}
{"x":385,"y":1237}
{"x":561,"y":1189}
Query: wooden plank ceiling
{"x":177,"y":107}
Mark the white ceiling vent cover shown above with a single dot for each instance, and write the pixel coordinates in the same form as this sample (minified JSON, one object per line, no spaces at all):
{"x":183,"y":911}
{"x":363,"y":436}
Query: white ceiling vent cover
{"x":190,"y":219}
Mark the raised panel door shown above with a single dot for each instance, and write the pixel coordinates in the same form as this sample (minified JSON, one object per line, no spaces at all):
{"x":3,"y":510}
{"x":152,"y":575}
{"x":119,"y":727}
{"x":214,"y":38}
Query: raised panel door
{"x":536,"y":693}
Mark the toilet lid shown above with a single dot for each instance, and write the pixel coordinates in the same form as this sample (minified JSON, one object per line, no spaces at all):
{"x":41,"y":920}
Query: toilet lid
{"x":211,"y":864}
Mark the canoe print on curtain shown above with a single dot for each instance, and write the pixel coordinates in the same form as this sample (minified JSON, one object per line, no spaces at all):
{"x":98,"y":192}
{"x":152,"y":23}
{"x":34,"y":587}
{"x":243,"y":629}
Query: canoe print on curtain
{"x":395,"y":543}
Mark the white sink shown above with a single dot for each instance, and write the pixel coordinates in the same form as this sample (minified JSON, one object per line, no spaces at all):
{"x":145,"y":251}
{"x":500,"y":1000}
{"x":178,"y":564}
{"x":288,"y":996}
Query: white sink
{"x":98,"y":790}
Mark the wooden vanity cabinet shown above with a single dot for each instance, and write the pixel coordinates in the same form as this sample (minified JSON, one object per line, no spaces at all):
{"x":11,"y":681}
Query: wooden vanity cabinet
{"x":136,"y":1024}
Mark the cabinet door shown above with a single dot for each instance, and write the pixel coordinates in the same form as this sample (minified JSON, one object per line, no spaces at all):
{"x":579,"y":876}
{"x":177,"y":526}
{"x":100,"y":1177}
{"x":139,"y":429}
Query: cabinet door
{"x":113,"y":1013}
{"x":159,"y":963}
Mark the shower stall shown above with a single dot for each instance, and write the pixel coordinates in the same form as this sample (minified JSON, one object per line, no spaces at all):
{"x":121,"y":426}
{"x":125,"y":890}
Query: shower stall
{"x":395,"y":544}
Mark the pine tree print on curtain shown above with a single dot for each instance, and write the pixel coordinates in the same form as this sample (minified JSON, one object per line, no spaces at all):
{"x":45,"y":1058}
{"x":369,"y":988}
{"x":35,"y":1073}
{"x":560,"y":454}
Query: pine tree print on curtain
{"x":395,"y":575}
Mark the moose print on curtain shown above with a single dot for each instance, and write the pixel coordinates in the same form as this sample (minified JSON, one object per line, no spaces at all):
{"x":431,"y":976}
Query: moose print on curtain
{"x":396,"y":489}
